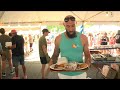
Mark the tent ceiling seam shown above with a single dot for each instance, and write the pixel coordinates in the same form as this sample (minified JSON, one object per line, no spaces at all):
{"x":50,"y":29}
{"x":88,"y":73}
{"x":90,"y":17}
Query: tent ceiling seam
{"x":94,"y":15}
{"x":2,"y":13}
{"x":76,"y":15}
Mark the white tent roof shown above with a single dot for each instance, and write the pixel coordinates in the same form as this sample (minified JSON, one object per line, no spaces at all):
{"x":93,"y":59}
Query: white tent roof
{"x":56,"y":17}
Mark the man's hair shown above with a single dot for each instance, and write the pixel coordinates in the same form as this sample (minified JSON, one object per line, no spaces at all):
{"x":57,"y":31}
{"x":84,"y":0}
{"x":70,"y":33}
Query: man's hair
{"x":10,"y":34}
{"x":45,"y":30}
{"x":2,"y":31}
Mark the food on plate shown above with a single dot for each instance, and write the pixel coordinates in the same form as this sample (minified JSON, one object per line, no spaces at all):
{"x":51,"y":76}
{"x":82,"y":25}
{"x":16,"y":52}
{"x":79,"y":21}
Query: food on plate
{"x":71,"y":66}
{"x":81,"y":66}
{"x":58,"y":66}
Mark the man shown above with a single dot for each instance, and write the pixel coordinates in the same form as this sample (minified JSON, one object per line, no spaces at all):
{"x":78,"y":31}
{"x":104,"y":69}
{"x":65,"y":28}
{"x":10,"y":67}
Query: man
{"x":104,"y":39}
{"x":44,"y":57}
{"x":31,"y":42}
{"x":71,"y":44}
{"x":18,"y":53}
{"x":6,"y":53}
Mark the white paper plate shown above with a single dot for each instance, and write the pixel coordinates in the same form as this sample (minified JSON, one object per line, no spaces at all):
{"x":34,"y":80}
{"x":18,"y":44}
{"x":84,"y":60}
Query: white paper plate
{"x":53,"y":65}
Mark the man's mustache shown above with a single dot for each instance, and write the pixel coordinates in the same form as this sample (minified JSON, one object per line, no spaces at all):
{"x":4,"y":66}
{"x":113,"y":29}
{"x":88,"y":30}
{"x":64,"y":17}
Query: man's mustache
{"x":71,"y":31}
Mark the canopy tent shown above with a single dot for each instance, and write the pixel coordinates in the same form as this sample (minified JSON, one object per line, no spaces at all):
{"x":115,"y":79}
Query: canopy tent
{"x":33,"y":19}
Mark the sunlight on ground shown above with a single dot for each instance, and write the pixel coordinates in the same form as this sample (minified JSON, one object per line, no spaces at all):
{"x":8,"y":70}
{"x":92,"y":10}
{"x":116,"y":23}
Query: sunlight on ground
{"x":34,"y":56}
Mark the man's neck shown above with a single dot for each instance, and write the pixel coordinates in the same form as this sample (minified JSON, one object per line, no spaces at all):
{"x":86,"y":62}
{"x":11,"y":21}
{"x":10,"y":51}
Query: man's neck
{"x":69,"y":37}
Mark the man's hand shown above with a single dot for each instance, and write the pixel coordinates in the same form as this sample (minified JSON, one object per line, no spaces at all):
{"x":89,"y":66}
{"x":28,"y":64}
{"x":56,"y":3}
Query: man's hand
{"x":88,"y":63}
{"x":50,"y":62}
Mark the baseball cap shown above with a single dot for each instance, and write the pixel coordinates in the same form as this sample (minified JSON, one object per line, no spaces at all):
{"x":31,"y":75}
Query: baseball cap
{"x":45,"y":30}
{"x":13,"y":31}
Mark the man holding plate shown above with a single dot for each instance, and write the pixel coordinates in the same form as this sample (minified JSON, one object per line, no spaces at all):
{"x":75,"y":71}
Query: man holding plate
{"x":72,"y":45}
{"x":6,"y":53}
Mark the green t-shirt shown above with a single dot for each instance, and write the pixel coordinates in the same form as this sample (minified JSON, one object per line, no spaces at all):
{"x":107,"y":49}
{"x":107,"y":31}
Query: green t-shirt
{"x":72,"y":54}
{"x":42,"y":41}
{"x":3,"y":39}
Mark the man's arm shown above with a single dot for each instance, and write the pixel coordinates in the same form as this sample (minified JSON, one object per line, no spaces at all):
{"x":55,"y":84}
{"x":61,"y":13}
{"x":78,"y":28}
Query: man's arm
{"x":86,"y":51}
{"x":56,"y":50}
{"x":44,"y":49}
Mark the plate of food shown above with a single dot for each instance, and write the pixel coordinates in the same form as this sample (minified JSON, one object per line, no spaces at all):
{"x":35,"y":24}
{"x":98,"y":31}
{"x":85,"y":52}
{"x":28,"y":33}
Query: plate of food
{"x":69,"y":67}
{"x":81,"y":66}
{"x":57,"y":67}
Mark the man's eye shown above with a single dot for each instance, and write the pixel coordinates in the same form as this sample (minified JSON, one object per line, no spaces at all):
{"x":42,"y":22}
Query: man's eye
{"x":68,"y":26}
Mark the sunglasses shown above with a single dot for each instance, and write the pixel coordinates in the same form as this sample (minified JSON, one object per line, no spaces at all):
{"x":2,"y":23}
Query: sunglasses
{"x":69,"y":18}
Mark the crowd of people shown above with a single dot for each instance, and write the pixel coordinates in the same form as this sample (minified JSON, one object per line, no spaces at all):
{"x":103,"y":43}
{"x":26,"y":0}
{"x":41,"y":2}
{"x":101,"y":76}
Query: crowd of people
{"x":102,"y":38}
{"x":70,"y":44}
{"x":14,"y":53}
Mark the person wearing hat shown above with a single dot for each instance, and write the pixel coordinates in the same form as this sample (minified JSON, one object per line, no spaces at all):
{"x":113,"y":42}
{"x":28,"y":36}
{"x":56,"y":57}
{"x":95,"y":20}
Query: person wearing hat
{"x":6,"y":52}
{"x":44,"y":57}
{"x":72,"y":45}
{"x":18,"y":54}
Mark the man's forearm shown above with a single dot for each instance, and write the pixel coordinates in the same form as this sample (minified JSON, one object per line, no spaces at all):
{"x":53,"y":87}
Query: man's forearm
{"x":88,"y":60}
{"x":54,"y":58}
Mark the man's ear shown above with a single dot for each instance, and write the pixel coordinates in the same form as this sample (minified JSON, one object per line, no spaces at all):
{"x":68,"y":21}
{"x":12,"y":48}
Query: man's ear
{"x":76,"y":22}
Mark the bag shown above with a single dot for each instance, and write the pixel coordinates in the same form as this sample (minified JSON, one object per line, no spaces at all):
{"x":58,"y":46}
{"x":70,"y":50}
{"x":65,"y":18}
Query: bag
{"x":108,"y":72}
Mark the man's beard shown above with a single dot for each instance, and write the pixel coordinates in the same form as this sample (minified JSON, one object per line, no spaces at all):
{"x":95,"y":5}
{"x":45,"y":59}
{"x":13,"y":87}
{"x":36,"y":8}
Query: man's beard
{"x":71,"y":35}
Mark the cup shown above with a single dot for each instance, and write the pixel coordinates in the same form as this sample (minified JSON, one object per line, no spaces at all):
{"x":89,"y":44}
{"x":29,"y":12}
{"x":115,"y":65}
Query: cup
{"x":62,"y":60}
{"x":8,"y":44}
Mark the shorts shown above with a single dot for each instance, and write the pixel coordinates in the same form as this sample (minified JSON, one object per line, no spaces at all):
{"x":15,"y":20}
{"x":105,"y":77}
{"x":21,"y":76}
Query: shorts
{"x":6,"y":55}
{"x":43,"y":60}
{"x":81,"y":76}
{"x":31,"y":44}
{"x":18,"y":60}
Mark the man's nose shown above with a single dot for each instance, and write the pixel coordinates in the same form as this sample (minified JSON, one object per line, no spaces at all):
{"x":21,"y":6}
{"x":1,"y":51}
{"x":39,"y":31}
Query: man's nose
{"x":71,"y":29}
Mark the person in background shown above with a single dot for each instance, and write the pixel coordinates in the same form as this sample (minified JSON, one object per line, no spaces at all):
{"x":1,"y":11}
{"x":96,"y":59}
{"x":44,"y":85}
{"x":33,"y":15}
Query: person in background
{"x":6,"y":53}
{"x":90,"y":39}
{"x":72,"y":45}
{"x":31,"y":42}
{"x":112,"y":39}
{"x":44,"y":57}
{"x":18,"y":54}
{"x":26,"y":45}
{"x":112,"y":42}
{"x":104,"y":39}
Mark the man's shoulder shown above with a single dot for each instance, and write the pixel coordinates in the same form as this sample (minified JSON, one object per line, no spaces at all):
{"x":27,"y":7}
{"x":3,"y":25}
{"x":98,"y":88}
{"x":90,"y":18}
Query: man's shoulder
{"x":42,"y":37}
{"x":83,"y":36}
{"x":59,"y":36}
{"x":4,"y":35}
